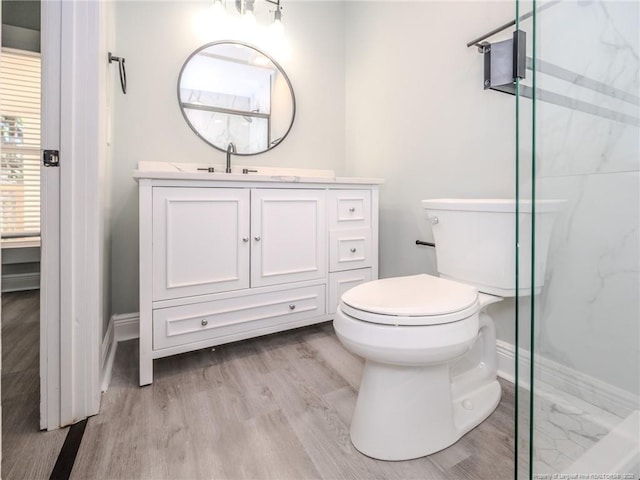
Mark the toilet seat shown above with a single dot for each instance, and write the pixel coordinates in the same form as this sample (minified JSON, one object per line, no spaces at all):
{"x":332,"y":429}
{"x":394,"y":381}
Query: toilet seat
{"x":416,"y":300}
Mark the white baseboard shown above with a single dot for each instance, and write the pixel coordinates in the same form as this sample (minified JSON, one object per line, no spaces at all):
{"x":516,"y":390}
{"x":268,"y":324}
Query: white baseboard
{"x":506,"y":361}
{"x":126,"y":326}
{"x":120,"y":328}
{"x":108,"y":356}
{"x":594,"y":391}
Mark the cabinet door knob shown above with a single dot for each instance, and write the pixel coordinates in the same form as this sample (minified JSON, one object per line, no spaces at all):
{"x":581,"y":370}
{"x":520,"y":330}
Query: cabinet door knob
{"x":256,"y":238}
{"x":292,"y":306}
{"x":353,"y":250}
{"x":352,"y":209}
{"x":204,"y":322}
{"x":245,"y":239}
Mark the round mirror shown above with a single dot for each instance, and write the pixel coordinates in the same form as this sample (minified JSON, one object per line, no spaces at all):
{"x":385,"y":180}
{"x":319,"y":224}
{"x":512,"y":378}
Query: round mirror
{"x":233,"y":93}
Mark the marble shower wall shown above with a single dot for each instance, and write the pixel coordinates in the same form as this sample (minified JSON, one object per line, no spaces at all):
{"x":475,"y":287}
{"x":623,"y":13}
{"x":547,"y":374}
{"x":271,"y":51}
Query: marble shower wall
{"x":589,"y":311}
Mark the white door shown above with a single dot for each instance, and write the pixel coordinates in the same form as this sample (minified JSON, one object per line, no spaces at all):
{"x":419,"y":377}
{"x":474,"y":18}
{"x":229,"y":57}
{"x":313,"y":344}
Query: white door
{"x":50,"y":221}
{"x":201,"y":241}
{"x":288,"y":230}
{"x":71,"y":273}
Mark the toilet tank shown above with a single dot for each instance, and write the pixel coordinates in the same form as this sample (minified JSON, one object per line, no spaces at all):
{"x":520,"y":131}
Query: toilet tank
{"x":476,"y":242}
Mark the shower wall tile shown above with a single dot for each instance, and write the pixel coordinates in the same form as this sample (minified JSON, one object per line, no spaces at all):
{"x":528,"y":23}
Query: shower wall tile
{"x":587,"y":333}
{"x":597,"y":41}
{"x":592,"y":38}
{"x":569,"y":142}
{"x":587,"y":317}
{"x":589,"y":306}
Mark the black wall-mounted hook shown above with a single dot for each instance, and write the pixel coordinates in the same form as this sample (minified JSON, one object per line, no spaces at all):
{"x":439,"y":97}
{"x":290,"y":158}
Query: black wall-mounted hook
{"x":121,"y":69}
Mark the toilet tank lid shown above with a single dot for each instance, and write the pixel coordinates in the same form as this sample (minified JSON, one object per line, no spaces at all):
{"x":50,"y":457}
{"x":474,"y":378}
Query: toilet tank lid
{"x":491,"y":205}
{"x":416,"y":295}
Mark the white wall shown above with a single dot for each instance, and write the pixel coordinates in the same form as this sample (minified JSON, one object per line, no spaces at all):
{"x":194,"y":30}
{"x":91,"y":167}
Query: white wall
{"x":417,"y":115}
{"x":108,"y":79}
{"x":156,"y":38}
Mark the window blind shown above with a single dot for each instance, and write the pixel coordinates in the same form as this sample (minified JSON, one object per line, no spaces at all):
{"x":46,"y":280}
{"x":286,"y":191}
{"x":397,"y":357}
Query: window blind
{"x":20,"y":150}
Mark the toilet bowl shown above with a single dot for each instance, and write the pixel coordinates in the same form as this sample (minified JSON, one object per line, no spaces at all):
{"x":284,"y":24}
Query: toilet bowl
{"x":411,"y":330}
{"x":408,"y":405}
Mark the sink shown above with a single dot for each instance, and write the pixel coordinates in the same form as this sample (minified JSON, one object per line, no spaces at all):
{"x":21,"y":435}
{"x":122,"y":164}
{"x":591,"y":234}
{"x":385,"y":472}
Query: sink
{"x":246,"y":170}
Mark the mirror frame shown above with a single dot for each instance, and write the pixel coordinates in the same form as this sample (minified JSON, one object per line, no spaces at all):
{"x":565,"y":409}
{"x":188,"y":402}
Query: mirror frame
{"x":271,"y":59}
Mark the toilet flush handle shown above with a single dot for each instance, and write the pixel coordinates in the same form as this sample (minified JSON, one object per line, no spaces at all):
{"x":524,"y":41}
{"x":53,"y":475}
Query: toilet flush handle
{"x":434,"y":220}
{"x":428,"y":244}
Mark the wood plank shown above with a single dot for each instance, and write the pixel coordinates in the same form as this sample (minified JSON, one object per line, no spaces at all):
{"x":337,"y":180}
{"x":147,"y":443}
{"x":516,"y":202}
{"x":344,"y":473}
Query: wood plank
{"x":21,"y":392}
{"x":325,"y":435}
{"x":334,"y":354}
{"x":202,"y":429}
{"x":273,"y":407}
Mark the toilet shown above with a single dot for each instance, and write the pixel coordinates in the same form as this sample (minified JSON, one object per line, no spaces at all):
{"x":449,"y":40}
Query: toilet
{"x":413,"y":331}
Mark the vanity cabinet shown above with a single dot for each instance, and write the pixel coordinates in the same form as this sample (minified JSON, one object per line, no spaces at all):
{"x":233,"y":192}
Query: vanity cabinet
{"x":203,"y":239}
{"x":226,"y":260}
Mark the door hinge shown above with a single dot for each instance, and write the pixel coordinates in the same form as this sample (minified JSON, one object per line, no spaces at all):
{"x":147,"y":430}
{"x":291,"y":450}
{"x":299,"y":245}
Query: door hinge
{"x":51,"y":158}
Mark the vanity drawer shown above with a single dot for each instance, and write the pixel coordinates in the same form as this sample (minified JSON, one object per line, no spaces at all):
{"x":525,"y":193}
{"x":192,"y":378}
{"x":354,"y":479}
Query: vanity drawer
{"x":340,"y":282}
{"x":203,"y":321}
{"x":349,"y":208}
{"x":349,"y":249}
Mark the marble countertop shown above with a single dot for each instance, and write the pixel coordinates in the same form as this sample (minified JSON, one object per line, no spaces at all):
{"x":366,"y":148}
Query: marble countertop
{"x":189,"y":171}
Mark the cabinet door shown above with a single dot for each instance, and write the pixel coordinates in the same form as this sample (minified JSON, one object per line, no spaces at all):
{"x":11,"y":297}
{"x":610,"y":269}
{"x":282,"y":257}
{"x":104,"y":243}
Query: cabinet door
{"x":200,"y":241}
{"x":289,"y":236}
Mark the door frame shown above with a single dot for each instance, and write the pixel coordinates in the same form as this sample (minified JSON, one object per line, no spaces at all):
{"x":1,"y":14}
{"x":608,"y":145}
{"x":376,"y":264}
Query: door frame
{"x":50,"y":220}
{"x":71,"y":283}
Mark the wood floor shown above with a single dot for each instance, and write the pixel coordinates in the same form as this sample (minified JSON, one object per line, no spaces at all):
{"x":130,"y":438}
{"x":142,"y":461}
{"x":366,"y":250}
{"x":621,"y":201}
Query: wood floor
{"x":276,"y":407}
{"x":26,"y":451}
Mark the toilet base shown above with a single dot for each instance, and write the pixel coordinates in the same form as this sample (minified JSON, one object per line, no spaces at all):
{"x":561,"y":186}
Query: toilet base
{"x":408,"y":412}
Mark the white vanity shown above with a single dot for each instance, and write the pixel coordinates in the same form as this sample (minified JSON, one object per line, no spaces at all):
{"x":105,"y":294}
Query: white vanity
{"x":224,"y":257}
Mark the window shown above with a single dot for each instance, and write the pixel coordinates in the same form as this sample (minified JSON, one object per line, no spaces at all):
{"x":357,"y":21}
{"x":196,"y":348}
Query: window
{"x":20,"y":151}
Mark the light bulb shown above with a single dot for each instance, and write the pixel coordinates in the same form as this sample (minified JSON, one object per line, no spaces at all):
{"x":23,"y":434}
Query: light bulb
{"x":218,"y":10}
{"x":277,"y":28}
{"x":248,"y":19}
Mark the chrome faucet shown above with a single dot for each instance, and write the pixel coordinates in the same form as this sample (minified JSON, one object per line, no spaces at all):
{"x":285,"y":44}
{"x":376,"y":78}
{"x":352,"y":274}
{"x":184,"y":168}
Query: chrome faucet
{"x":231,"y":148}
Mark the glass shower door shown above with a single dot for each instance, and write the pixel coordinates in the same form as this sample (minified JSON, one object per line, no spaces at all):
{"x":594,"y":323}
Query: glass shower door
{"x":578,"y":337}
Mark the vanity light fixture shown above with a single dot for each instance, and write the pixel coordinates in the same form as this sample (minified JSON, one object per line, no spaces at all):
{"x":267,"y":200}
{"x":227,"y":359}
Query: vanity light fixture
{"x":276,"y":26}
{"x":246,"y":9}
{"x":277,"y":13}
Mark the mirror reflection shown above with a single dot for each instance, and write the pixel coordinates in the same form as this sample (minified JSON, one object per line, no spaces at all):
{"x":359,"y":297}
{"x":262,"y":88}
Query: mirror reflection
{"x":233,"y":93}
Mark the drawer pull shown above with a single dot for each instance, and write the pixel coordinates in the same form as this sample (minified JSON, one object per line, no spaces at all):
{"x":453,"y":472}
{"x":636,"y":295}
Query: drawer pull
{"x":352,"y":209}
{"x":353,"y":250}
{"x":292,"y":306}
{"x":204,"y":322}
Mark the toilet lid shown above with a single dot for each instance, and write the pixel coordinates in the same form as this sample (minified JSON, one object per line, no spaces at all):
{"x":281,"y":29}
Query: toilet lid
{"x":413,"y":300}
